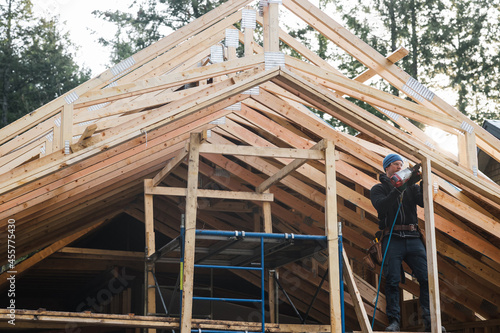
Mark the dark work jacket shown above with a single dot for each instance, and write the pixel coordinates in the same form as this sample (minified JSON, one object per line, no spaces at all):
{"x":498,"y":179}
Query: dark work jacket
{"x":385,"y":198}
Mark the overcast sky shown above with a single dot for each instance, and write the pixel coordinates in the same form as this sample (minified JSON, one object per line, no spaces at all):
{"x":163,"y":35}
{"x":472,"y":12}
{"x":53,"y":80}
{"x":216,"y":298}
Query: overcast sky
{"x":81,"y":24}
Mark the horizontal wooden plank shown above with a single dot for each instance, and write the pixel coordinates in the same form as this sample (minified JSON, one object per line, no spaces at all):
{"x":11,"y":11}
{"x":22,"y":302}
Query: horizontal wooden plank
{"x":235,"y":195}
{"x":262,"y":151}
{"x":132,"y":320}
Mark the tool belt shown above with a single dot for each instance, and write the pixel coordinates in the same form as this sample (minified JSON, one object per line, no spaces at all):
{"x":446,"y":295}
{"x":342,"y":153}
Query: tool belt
{"x":401,"y":227}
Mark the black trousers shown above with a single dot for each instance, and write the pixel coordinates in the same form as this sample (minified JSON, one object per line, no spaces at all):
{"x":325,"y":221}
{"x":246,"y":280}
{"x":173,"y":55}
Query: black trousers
{"x":412,"y":251}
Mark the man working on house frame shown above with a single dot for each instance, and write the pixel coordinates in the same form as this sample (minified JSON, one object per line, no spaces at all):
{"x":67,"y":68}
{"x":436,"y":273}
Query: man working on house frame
{"x":398,"y":206}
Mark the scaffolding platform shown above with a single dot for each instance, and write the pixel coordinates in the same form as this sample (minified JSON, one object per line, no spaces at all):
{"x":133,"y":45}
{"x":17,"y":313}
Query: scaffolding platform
{"x":243,"y":249}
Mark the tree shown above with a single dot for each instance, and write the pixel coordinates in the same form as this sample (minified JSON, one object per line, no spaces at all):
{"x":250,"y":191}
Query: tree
{"x":468,"y":55}
{"x":453,"y":45}
{"x":36,"y":63}
{"x":150,"y":21}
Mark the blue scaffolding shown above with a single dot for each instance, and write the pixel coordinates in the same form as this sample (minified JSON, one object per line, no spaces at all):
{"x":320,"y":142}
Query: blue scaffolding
{"x":249,"y":251}
{"x":279,"y":242}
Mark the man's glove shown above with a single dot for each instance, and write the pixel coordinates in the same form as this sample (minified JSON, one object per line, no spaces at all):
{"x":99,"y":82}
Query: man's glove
{"x":415,"y":175}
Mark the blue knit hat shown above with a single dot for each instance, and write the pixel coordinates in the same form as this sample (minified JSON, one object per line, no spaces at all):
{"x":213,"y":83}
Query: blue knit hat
{"x":389,"y":159}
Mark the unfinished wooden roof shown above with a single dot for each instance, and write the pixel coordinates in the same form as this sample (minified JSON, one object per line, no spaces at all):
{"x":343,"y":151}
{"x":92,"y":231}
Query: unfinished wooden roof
{"x":80,"y":161}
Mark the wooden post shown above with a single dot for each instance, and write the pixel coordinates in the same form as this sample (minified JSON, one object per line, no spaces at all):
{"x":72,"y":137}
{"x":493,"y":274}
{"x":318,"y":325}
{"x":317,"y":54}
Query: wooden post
{"x":430,"y":237}
{"x":249,"y":29}
{"x":256,"y":220}
{"x":56,"y":140}
{"x":268,"y":228}
{"x":332,"y":237}
{"x":470,"y":142}
{"x":190,"y":233}
{"x":265,"y":28}
{"x":66,"y":125}
{"x":360,"y":310}
{"x":274,"y":28}
{"x":150,"y":296}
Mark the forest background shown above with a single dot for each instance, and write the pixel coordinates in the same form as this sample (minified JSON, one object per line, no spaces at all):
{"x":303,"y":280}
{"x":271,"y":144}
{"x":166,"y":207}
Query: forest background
{"x":454,"y":46}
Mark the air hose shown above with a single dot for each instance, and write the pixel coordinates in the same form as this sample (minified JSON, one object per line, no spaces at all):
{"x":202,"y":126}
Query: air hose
{"x":383,"y":260}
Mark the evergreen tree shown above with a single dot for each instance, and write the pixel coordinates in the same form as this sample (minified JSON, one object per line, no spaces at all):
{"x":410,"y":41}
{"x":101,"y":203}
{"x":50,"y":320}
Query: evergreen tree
{"x":453,"y":45}
{"x":151,"y":21}
{"x":36,"y":65}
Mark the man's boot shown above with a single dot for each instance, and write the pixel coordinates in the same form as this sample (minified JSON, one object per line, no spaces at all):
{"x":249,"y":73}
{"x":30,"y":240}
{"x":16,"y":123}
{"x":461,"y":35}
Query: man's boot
{"x":427,"y":323}
{"x":393,"y":325}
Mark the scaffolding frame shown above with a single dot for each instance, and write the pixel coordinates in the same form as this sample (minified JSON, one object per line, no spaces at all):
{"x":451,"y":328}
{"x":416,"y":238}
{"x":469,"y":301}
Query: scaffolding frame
{"x":323,"y":150}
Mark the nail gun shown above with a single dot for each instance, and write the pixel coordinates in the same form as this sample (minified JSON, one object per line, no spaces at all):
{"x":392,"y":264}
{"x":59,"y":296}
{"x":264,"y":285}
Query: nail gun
{"x":403,"y":176}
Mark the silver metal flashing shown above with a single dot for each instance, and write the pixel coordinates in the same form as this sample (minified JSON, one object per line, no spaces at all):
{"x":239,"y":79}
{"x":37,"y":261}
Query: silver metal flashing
{"x":220,"y":121}
{"x":467,"y":127}
{"x":252,"y":91}
{"x":97,"y":106}
{"x":122,"y":66}
{"x":232,"y":37}
{"x":417,"y":90}
{"x":66,"y":147}
{"x":394,"y":116}
{"x":71,"y":97}
{"x":42,"y":150}
{"x":50,"y":136}
{"x":57,"y":121}
{"x":248,"y":18}
{"x":262,"y":4}
{"x":273,"y":59}
{"x":216,"y":54}
{"x":234,"y":107}
{"x":428,"y":143}
{"x":474,"y":170}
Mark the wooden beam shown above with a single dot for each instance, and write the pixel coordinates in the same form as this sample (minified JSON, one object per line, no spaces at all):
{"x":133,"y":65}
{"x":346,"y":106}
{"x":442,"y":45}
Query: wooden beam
{"x":301,"y":49}
{"x":373,"y":96}
{"x":167,"y":81}
{"x":333,"y":239}
{"x":132,"y":320}
{"x":66,"y":125}
{"x":150,"y":287}
{"x":140,"y":58}
{"x":23,"y":155}
{"x":430,"y":237}
{"x":136,"y":127}
{"x":26,"y":264}
{"x":190,"y":227}
{"x":88,"y":132}
{"x":385,"y":133}
{"x":172,"y":164}
{"x":274,"y":41}
{"x":394,"y":57}
{"x":471,"y":152}
{"x":261,"y":151}
{"x":248,"y":40}
{"x":217,"y":194}
{"x":286,"y":170}
{"x":364,"y":323}
{"x":268,"y":228}
{"x":266,"y":27}
{"x":392,"y":73}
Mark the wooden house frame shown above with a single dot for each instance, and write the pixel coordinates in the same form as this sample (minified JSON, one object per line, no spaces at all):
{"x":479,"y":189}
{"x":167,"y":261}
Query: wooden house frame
{"x":187,"y":118}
